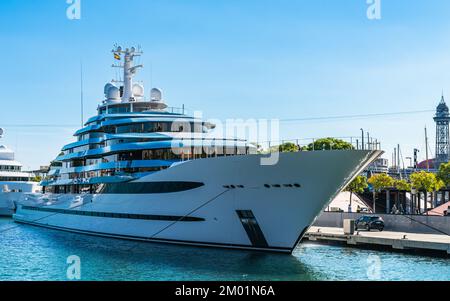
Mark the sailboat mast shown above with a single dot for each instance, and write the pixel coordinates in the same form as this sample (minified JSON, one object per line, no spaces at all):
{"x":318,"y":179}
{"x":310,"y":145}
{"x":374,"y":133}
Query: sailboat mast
{"x":426,"y":149}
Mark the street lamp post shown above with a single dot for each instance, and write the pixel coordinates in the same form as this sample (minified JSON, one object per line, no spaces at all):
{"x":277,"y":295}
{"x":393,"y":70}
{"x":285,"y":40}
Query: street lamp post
{"x":362,"y":139}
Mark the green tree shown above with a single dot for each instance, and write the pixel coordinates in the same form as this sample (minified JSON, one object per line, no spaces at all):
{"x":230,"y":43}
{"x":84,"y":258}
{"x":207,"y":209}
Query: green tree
{"x":288,"y":147}
{"x":379,"y":182}
{"x":444,"y":174}
{"x":357,"y":186}
{"x":438,"y":185}
{"x":36,"y":179}
{"x":402,"y":185}
{"x":329,"y":144}
{"x":426,"y":182}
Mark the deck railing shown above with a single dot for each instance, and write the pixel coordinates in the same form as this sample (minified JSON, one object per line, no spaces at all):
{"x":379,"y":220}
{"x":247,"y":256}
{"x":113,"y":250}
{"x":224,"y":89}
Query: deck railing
{"x":311,"y":144}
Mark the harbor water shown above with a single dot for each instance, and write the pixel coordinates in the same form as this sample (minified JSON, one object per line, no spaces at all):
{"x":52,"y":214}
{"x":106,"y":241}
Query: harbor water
{"x":32,"y":253}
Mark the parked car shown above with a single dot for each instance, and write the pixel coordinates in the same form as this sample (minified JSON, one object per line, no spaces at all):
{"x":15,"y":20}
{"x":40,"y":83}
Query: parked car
{"x":364,"y":210}
{"x":369,"y":222}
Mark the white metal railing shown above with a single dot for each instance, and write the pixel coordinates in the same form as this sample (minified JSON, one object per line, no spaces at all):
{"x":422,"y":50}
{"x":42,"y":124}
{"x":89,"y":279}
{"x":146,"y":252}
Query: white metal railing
{"x":313,"y":145}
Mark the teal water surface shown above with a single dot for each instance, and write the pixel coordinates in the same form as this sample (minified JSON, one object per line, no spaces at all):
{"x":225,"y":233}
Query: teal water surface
{"x":32,"y":253}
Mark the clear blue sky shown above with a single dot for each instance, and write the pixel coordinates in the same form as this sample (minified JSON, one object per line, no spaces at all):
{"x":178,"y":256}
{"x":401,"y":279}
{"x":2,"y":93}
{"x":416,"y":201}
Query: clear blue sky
{"x":231,"y":59}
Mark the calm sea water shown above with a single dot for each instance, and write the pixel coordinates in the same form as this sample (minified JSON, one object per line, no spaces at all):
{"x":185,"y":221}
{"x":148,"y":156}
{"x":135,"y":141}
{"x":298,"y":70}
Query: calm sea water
{"x":31,"y":253}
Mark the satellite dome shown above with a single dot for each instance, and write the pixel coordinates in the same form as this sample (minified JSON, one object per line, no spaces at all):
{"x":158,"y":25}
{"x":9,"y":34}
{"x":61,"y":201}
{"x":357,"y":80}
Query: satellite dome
{"x":156,"y":101}
{"x":138,"y":90}
{"x":6,"y":153}
{"x":113,"y":94}
{"x":156,"y":95}
{"x":107,"y":86}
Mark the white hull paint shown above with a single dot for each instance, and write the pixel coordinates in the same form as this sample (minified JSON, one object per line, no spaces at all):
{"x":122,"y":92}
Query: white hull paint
{"x":8,"y":199}
{"x":283,"y":214}
{"x":6,"y":205}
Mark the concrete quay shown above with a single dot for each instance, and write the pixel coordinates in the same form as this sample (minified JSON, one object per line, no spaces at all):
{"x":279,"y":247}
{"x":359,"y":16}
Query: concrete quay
{"x":396,"y":223}
{"x":396,"y":240}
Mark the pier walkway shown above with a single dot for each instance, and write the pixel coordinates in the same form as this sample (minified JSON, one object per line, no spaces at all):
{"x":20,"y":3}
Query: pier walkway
{"x":396,"y":240}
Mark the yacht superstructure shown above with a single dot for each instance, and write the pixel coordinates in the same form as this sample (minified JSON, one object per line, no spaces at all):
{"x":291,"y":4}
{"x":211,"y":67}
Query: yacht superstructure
{"x":13,"y":181}
{"x":140,"y":170}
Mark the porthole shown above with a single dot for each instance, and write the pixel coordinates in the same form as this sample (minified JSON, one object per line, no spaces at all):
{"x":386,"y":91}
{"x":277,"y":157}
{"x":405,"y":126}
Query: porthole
{"x":267,"y":185}
{"x":297,"y":185}
{"x":277,"y":186}
{"x":232,"y":186}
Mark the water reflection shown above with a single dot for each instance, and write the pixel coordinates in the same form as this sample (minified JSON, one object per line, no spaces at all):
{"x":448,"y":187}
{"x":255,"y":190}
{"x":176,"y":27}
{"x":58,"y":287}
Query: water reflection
{"x":113,"y":259}
{"x":32,"y":253}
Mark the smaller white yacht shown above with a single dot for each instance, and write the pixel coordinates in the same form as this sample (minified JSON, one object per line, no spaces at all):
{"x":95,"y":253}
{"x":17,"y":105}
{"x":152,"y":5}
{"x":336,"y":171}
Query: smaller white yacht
{"x":14,"y":183}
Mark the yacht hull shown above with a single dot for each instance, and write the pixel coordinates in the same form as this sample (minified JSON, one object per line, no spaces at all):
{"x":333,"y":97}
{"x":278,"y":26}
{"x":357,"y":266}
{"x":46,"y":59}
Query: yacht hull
{"x":240,"y":204}
{"x":8,"y":200}
{"x":6,"y":205}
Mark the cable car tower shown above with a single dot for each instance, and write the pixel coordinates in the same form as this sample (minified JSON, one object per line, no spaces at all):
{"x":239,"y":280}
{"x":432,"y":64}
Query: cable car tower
{"x":442,"y":119}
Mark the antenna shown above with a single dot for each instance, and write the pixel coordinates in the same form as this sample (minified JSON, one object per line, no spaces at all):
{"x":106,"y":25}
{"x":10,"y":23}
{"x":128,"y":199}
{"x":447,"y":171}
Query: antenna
{"x":129,"y":69}
{"x":426,"y":149}
{"x":399,"y":167}
{"x":81,"y":94}
{"x":151,"y":74}
{"x":17,"y":146}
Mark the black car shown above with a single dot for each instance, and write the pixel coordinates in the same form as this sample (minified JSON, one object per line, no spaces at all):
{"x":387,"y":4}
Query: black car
{"x":369,"y":222}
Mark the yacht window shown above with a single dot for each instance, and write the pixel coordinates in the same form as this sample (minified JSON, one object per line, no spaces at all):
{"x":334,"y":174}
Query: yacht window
{"x":148,"y":187}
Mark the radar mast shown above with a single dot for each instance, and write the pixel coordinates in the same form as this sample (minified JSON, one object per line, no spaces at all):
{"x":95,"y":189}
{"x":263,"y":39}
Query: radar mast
{"x":129,"y":70}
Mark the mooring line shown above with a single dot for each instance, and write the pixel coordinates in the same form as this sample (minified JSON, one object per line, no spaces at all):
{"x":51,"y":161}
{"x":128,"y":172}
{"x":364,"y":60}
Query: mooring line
{"x":431,"y":227}
{"x":180,"y":219}
{"x":186,"y":215}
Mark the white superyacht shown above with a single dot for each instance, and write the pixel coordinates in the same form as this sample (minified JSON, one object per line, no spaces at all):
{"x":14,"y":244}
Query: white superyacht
{"x":136,"y":172}
{"x":14,"y":183}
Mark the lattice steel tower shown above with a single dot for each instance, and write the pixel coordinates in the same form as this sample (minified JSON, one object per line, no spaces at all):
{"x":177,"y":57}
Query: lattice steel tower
{"x":442,"y":120}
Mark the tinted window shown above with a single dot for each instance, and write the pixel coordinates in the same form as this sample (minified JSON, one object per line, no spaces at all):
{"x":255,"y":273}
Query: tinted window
{"x":116,"y":215}
{"x":147,"y":187}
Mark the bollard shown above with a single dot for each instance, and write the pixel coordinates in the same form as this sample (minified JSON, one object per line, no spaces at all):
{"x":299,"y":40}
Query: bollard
{"x":349,"y":226}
